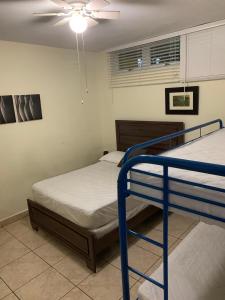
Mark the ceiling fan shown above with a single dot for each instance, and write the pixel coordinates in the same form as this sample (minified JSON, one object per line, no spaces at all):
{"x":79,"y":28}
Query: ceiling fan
{"x":81,"y":14}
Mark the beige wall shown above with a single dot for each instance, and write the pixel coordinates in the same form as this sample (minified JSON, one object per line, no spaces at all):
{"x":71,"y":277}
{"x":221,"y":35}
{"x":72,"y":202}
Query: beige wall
{"x":72,"y":135}
{"x":68,"y":137}
{"x":148,"y":103}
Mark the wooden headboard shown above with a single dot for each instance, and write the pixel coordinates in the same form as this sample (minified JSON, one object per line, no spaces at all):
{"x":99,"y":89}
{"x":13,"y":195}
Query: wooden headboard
{"x":129,"y":133}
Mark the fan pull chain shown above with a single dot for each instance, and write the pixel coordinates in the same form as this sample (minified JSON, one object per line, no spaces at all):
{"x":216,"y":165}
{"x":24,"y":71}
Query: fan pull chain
{"x":85,"y":65}
{"x":79,"y":68}
{"x":185,"y":68}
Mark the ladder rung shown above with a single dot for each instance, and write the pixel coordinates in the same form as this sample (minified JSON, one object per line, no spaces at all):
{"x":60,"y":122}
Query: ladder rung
{"x":143,"y":237}
{"x":146,"y":277}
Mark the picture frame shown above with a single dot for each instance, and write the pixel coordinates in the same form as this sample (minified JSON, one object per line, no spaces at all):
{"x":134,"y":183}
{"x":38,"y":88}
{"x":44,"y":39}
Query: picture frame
{"x":182,"y":101}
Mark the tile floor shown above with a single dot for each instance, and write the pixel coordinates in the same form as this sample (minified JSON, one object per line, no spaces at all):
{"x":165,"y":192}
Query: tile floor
{"x":34,"y":266}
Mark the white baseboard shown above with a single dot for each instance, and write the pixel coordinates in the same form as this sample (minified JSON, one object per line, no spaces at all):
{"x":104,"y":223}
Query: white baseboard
{"x":14,"y":218}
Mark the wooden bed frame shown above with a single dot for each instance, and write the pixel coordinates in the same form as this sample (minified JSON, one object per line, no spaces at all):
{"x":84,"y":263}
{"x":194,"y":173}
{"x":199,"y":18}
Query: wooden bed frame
{"x":82,"y":240}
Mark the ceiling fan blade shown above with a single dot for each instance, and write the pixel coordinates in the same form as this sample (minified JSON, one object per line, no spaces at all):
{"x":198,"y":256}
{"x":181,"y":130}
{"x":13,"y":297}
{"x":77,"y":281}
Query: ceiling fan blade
{"x":108,"y":15}
{"x":97,"y":4}
{"x":62,"y":4}
{"x":62,"y":21}
{"x":49,"y":14}
{"x":78,"y":3}
{"x":91,"y":22}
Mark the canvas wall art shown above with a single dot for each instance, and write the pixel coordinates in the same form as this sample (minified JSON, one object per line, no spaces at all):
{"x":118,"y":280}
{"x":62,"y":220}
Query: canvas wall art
{"x":7,"y":113}
{"x":28,"y":107}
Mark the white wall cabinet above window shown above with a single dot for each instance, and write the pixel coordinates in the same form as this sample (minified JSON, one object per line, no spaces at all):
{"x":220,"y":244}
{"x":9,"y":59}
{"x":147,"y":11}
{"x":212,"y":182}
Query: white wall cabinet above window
{"x":203,"y":57}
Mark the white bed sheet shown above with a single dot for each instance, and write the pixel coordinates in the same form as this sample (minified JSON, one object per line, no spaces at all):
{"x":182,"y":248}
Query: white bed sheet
{"x":211,"y":149}
{"x":87,"y":197}
{"x":196,"y":268}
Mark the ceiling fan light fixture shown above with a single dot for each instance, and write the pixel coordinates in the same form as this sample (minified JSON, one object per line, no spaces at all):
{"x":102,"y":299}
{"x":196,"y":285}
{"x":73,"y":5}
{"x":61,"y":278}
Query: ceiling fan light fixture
{"x":78,"y":24}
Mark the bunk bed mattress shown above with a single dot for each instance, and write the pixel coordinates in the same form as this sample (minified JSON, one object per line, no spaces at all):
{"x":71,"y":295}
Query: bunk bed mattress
{"x":209,"y":148}
{"x":196,"y":268}
{"x":87,"y":197}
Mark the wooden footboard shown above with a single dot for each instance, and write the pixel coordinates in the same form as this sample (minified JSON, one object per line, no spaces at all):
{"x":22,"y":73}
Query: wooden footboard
{"x":78,"y":238}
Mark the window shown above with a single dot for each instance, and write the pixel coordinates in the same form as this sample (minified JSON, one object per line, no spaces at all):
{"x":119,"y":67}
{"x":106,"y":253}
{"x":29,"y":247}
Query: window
{"x":151,"y":63}
{"x":130,"y":60}
{"x":165,"y":52}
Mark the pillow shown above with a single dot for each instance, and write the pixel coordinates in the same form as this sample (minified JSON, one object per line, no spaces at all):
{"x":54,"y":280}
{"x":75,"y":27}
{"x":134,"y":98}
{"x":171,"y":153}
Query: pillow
{"x":113,"y":157}
{"x":133,"y":154}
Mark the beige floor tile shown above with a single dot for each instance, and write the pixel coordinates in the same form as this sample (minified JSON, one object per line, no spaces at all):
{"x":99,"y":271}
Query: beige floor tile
{"x":23,"y":231}
{"x":34,"y":239}
{"x":113,"y":251}
{"x":18,"y":228}
{"x":11,"y":251}
{"x":158,"y":263}
{"x":4,"y":290}
{"x":110,"y":253}
{"x":134,"y":291}
{"x":48,"y":285}
{"x":138,"y":258}
{"x":10,"y":297}
{"x":73,"y":268}
{"x":157,"y":236}
{"x":22,"y":270}
{"x":76,"y":294}
{"x":173,"y":247}
{"x":178,"y":224}
{"x":189,"y":230}
{"x":4,"y":236}
{"x":52,"y":252}
{"x":152,"y":270}
{"x":106,"y":284}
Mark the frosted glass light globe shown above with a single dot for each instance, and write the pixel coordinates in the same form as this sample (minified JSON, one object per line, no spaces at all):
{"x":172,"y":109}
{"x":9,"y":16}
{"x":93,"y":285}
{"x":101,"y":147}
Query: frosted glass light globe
{"x":78,"y":24}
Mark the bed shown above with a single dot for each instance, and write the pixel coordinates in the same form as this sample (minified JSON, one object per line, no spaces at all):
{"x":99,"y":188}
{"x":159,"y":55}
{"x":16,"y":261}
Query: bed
{"x":196,"y":274}
{"x":210,"y":148}
{"x":189,"y":179}
{"x":80,"y":207}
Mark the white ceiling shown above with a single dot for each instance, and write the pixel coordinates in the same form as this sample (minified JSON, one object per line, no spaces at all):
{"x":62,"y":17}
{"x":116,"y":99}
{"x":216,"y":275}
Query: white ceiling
{"x":140,"y":19}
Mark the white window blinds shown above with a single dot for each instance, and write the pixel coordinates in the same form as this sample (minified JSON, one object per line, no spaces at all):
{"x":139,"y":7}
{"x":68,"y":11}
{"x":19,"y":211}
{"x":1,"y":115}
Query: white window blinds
{"x":152,"y":63}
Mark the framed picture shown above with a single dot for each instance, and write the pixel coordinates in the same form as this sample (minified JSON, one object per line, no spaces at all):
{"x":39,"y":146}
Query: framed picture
{"x":28,"y":107}
{"x":182,"y":101}
{"x":7,"y":113}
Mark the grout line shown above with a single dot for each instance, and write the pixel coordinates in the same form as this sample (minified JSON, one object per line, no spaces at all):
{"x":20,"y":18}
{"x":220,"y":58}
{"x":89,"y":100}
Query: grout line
{"x":78,"y":289}
{"x":15,"y":237}
{"x":139,"y":280}
{"x":107,"y":262}
{"x":15,"y":259}
{"x":74,"y":285}
{"x":50,"y":266}
{"x":30,"y":280}
{"x":18,"y":239}
{"x":17,"y":297}
{"x":6,"y":285}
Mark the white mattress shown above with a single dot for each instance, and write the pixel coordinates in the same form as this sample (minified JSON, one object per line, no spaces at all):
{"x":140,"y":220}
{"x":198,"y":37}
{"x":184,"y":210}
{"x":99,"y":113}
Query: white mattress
{"x":87,"y":197}
{"x":196,"y":268}
{"x":211,"y":149}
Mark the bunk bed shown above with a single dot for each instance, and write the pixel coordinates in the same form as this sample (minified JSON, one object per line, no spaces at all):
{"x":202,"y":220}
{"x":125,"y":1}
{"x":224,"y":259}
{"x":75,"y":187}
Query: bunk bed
{"x":80,"y":207}
{"x":188,"y":180}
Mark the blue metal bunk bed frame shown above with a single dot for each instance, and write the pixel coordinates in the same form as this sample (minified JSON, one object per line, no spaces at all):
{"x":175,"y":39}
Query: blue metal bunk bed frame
{"x":166,"y":163}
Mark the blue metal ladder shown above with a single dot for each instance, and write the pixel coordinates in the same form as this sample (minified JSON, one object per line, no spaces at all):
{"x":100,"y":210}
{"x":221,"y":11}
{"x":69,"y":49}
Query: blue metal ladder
{"x":123,"y":193}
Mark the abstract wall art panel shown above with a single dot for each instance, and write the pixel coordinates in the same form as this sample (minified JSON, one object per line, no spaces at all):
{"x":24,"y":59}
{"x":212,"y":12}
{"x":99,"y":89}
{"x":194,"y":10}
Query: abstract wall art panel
{"x":28,"y":107}
{"x":7,"y":113}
